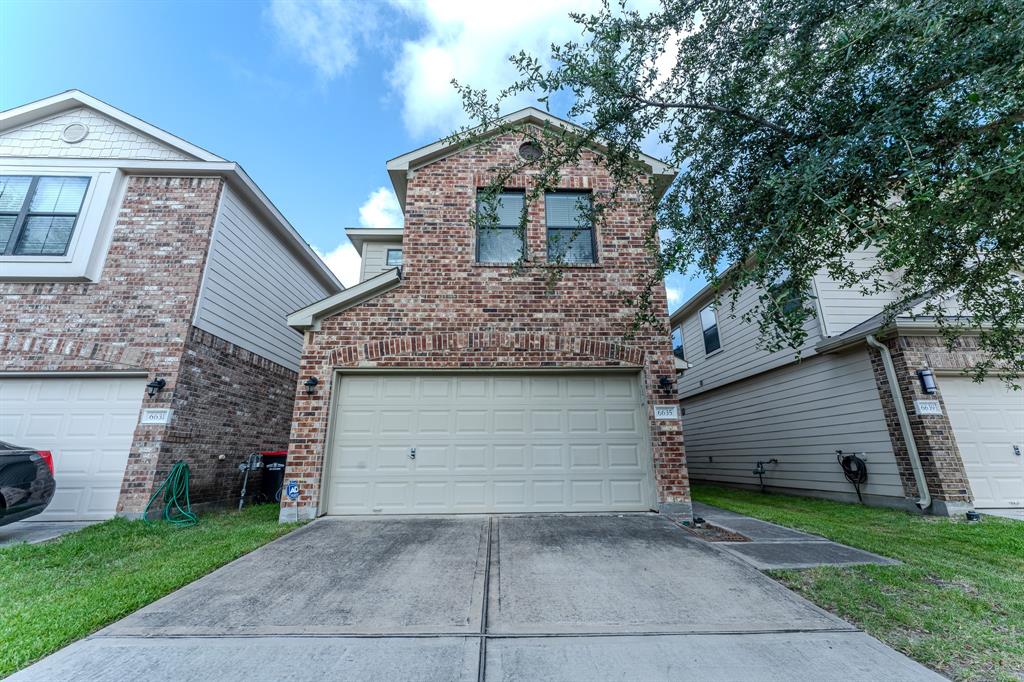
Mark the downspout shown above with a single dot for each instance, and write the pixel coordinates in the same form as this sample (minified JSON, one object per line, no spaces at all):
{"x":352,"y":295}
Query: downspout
{"x":901,"y":414}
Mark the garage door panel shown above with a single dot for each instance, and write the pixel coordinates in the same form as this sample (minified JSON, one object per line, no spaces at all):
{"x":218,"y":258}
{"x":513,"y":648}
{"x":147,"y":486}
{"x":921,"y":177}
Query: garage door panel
{"x":491,"y":443}
{"x":988,"y":420}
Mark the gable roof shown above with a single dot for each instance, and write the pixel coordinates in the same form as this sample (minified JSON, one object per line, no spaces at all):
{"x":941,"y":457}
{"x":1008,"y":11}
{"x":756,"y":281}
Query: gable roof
{"x":194,"y":160}
{"x":26,"y":114}
{"x":309,"y":317}
{"x":400,"y":166}
{"x":358,"y":235}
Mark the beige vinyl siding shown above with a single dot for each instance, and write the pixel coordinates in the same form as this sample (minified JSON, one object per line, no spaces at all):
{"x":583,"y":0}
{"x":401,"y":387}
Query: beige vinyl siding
{"x":375,"y":255}
{"x":800,"y":414}
{"x":845,"y":307}
{"x":252,"y":282}
{"x":739,"y":356}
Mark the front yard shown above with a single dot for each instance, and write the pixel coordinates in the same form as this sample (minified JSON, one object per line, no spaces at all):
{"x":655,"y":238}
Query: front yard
{"x":56,"y":592}
{"x":957,"y":602}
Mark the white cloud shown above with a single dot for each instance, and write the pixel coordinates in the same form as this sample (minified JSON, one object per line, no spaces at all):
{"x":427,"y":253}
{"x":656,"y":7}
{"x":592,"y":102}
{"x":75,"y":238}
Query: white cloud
{"x":343,"y":261}
{"x":325,"y":33}
{"x":673,"y":295}
{"x":471,"y":41}
{"x":381,"y":209}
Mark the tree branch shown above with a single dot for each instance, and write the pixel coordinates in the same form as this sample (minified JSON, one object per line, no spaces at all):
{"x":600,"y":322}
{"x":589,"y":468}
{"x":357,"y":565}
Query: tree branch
{"x":764,"y":123}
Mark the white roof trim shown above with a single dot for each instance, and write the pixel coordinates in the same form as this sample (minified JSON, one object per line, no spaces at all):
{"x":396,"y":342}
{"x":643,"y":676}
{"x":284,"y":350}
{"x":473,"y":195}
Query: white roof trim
{"x":308,"y":318}
{"x":26,"y":114}
{"x":358,"y":235}
{"x":400,"y":166}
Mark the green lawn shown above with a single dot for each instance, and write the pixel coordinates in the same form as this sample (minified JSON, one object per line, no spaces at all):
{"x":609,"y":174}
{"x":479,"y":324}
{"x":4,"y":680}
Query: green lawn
{"x":957,"y":603}
{"x":56,"y":592}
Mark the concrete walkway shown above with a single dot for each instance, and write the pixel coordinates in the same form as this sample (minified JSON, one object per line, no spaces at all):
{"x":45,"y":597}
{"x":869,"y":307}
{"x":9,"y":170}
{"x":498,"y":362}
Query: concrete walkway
{"x":776,"y":547}
{"x":38,"y":531}
{"x":596,"y":597}
{"x":1015,"y":514}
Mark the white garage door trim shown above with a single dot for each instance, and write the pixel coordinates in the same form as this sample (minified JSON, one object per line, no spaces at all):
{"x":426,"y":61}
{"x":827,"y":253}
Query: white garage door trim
{"x":482,"y":470}
{"x":988,"y":421}
{"x":88,"y":421}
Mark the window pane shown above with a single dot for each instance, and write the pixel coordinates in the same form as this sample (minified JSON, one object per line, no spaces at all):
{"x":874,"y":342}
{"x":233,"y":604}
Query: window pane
{"x":58,"y":195}
{"x":707,"y":318}
{"x":509,"y":209}
{"x":6,"y":228}
{"x":13,"y":189}
{"x":711,"y":341}
{"x":394,"y":257}
{"x":677,"y":342}
{"x":567,"y":209}
{"x":499,"y":245}
{"x":45,"y":236}
{"x":571,"y":246}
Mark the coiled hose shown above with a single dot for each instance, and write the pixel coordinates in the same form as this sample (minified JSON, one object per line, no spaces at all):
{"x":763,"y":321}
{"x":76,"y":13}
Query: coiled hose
{"x":175,"y":492}
{"x":855,"y":469}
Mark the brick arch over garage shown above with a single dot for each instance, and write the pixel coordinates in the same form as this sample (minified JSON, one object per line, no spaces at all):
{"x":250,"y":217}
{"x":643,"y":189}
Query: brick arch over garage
{"x":585,"y":350}
{"x":37,"y":353}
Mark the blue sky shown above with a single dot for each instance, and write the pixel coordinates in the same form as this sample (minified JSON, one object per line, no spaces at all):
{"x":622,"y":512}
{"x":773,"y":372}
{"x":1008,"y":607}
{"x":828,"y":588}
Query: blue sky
{"x":311,"y":97}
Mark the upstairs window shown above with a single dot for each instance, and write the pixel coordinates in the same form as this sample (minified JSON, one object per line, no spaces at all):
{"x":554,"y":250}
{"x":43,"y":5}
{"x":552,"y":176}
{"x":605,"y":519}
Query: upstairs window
{"x":394,"y":258}
{"x":709,"y":324}
{"x":570,"y":227}
{"x":38,"y":213}
{"x":499,"y":237}
{"x":677,"y":342}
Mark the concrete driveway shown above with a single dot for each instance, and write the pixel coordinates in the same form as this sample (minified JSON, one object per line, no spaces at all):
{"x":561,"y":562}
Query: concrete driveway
{"x":602,"y":597}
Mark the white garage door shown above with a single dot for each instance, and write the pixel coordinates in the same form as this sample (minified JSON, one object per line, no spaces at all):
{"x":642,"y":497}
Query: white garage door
{"x":88,"y":424}
{"x":988,"y":421}
{"x":488,"y":443}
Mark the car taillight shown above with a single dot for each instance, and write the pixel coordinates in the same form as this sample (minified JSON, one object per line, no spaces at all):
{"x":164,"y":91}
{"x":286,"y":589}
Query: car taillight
{"x":47,"y":457}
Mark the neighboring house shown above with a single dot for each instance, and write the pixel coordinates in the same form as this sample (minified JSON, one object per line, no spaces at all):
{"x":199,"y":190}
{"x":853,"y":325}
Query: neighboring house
{"x":743,"y":405}
{"x":130,"y":257}
{"x":453,"y":384}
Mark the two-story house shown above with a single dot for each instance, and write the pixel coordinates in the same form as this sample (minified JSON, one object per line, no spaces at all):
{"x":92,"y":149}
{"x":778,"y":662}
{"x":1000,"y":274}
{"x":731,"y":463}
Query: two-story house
{"x":445,"y":382}
{"x":144,"y":287}
{"x":891,"y":393}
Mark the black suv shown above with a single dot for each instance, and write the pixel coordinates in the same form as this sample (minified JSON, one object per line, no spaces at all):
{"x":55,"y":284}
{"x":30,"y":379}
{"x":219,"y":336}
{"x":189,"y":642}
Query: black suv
{"x":26,"y":482}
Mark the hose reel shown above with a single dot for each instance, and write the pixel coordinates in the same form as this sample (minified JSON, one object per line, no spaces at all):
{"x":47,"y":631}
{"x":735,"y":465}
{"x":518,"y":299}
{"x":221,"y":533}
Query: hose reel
{"x":855,"y":469}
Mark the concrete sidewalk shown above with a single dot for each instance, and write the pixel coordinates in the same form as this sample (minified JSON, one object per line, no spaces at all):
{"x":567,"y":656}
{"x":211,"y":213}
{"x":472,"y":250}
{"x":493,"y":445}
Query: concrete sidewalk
{"x":555,"y":597}
{"x":38,"y":531}
{"x":776,"y":547}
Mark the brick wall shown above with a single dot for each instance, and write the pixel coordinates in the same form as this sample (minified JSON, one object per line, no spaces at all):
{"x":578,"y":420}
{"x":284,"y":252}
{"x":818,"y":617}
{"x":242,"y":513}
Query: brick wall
{"x":228,"y":401}
{"x":933,"y":434}
{"x":451,"y":312}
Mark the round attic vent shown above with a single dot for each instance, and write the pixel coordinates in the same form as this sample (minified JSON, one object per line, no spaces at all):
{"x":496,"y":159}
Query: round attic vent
{"x":529,"y":151}
{"x":74,"y":132}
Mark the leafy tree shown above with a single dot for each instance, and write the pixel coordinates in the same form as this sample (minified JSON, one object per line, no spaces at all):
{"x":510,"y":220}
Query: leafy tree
{"x":806,"y":130}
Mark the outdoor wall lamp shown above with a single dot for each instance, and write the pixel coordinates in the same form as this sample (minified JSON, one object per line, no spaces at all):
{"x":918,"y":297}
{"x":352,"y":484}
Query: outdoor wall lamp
{"x":310,"y":385}
{"x":155,"y":386}
{"x":927,"y":380}
{"x":665,"y":382}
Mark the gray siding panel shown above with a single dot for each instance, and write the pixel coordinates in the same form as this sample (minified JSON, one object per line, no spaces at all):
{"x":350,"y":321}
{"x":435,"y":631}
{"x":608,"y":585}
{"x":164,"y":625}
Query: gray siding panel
{"x":252,"y":282}
{"x":799,"y":414}
{"x":739,"y":356}
{"x":375,"y":256}
{"x":845,"y":307}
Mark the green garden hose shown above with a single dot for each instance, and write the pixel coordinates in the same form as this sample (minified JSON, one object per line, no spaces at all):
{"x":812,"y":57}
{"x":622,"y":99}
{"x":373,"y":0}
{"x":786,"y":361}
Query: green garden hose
{"x":175,"y":491}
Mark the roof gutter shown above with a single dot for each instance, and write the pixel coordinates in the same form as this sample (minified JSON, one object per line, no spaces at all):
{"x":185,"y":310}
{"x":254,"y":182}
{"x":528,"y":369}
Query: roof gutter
{"x":925,"y":499}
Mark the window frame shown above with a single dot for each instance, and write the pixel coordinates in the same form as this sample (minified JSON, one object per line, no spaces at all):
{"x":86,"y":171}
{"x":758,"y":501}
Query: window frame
{"x":716,"y":327}
{"x":25,"y":213}
{"x":479,"y":227}
{"x":680,"y":350}
{"x":592,"y":229}
{"x":387,"y":258}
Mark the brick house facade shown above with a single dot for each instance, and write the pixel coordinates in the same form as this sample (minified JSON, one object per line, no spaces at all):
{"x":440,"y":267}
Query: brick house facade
{"x":136,"y":317}
{"x":450,"y":312}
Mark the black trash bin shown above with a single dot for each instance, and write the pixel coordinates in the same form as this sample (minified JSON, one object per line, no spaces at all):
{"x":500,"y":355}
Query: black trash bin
{"x":273,"y":474}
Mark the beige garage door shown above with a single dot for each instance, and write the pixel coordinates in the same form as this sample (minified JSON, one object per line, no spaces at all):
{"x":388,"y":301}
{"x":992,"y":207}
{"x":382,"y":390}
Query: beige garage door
{"x":988,"y":421}
{"x":461,"y":443}
{"x":88,"y":424}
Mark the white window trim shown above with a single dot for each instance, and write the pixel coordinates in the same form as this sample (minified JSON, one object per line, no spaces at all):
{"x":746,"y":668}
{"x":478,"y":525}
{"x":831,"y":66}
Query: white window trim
{"x":93,"y":230}
{"x":718,"y":330}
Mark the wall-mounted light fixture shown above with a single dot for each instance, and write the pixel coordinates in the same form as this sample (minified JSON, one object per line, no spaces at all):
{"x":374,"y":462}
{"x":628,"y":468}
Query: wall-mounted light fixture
{"x":155,"y":386}
{"x":665,"y":382}
{"x":310,"y":385}
{"x":927,"y":380}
